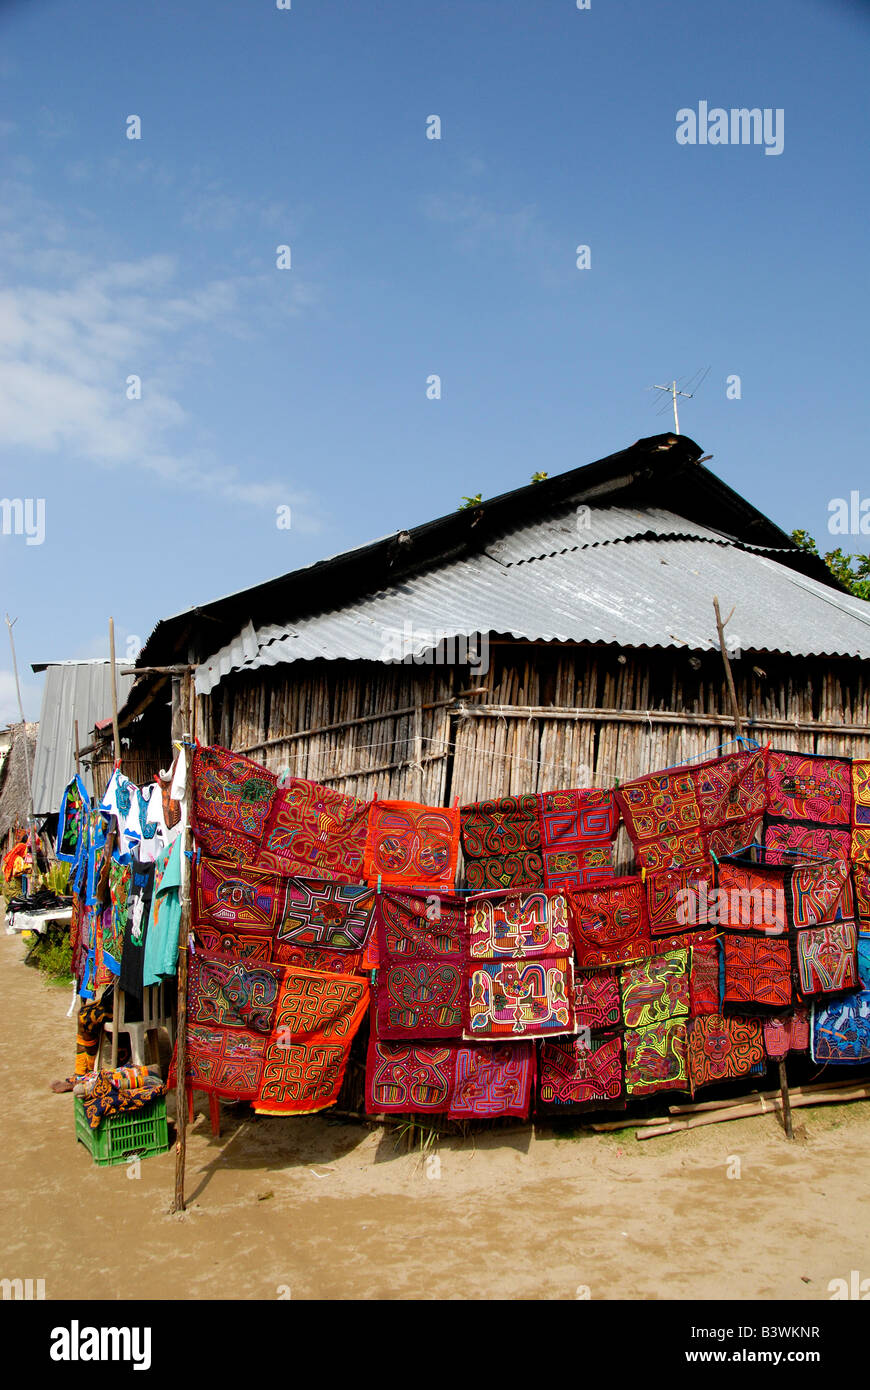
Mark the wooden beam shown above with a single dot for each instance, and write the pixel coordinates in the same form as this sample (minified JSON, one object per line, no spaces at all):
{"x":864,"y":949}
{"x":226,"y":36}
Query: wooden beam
{"x":594,"y":714}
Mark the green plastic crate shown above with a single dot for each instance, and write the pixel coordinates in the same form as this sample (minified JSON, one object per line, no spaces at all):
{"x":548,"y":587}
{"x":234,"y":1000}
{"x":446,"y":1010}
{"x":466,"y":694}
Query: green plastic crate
{"x":121,"y":1137}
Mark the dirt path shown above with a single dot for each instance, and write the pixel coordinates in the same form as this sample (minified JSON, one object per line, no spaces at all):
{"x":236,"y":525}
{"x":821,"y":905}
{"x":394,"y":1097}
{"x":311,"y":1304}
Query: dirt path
{"x":311,"y":1209}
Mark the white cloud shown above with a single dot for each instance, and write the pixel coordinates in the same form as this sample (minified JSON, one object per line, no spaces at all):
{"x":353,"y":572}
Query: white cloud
{"x":66,"y":353}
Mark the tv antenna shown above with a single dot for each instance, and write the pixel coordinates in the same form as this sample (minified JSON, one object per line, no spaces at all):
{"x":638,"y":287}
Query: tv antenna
{"x":695,"y":381}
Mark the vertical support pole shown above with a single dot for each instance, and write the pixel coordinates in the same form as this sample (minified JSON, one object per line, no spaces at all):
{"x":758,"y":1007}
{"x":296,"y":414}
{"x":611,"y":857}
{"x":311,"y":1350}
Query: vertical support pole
{"x":77,"y":746}
{"x":720,"y":628}
{"x":183,"y":939}
{"x":786,"y":1103}
{"x":117,"y":996}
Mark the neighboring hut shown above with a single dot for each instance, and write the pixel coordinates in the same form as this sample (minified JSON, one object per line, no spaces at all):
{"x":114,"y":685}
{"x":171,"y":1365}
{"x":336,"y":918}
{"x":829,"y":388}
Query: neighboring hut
{"x":559,"y":635}
{"x":14,"y":787}
{"x":78,"y":693}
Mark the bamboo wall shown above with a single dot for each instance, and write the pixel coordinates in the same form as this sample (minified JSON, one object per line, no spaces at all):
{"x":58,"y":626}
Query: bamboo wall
{"x":550,"y":716}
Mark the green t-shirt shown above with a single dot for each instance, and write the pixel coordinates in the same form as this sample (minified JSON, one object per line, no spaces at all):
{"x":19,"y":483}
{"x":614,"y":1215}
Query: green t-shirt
{"x":161,"y":943}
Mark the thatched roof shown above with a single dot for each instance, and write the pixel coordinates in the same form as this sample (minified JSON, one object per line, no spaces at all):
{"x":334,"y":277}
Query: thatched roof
{"x":14,"y":794}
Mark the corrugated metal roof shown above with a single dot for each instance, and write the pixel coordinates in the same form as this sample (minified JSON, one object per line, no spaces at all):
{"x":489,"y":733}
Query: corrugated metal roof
{"x":640,"y":578}
{"x":74,"y":690}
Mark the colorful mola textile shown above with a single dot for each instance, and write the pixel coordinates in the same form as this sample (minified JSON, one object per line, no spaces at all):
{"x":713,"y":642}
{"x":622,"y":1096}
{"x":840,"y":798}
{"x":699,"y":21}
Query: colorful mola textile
{"x":826,"y":959}
{"x":610,"y":923}
{"x":861,"y":809}
{"x":316,"y":832}
{"x":757,"y":971}
{"x":677,"y":898}
{"x":491,"y":1081}
{"x":518,"y":925}
{"x":861,"y":884}
{"x":115,"y":921}
{"x":751,"y":896}
{"x":655,"y":989}
{"x":678,"y":819}
{"x":412,"y":846}
{"x":809,"y":788}
{"x":327,"y":916}
{"x":721,"y":1049}
{"x":406,"y":1078}
{"x":787,"y":1033}
{"x":420,"y":985}
{"x":272,"y":1034}
{"x":577,"y":832}
{"x":232,"y":799}
{"x":788,"y":841}
{"x":819,"y":892}
{"x":74,"y":807}
{"x":656,"y":1058}
{"x":467,"y":1082}
{"x":574,"y":1076}
{"x":253,"y":914}
{"x":520,"y":998}
{"x":107,"y":1098}
{"x":501,"y":843}
{"x":597,"y":998}
{"x":841,"y":1028}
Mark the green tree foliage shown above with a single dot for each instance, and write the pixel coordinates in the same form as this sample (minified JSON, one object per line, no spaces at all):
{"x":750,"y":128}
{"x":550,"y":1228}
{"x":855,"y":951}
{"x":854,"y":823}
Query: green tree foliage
{"x":853,"y":571}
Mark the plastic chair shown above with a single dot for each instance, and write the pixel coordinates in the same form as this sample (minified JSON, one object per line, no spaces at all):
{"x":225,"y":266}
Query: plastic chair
{"x":154,"y":1015}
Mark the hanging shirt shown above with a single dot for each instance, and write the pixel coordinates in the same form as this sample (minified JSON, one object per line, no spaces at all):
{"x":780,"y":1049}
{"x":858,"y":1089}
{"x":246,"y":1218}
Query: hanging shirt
{"x":121,"y":800}
{"x":153,"y":839}
{"x":135,"y":936}
{"x":74,"y":806}
{"x":161,"y":943}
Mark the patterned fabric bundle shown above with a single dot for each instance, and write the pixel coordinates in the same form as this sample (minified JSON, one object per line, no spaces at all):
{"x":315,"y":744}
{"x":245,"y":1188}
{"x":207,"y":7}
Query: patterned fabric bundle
{"x":255,"y":915}
{"x":787,"y":1033}
{"x":574,"y":1076}
{"x":809,"y":805}
{"x":316,"y":832}
{"x":412,"y":846}
{"x":501,"y":842}
{"x":124,"y":1078}
{"x":232,"y":800}
{"x":107,"y":1098}
{"x":861,"y":809}
{"x":520,"y":970}
{"x":89,"y":1027}
{"x":721,"y":1049}
{"x":841,"y":1028}
{"x":272,"y":1034}
{"x":421,"y":978}
{"x":464,"y":1081}
{"x":577,"y":832}
{"x":679,"y":819}
{"x":610,"y":923}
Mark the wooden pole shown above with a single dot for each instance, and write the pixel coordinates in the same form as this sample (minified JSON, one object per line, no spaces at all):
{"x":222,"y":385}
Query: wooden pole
{"x":720,"y":627}
{"x":183,"y":939}
{"x":76,"y":743}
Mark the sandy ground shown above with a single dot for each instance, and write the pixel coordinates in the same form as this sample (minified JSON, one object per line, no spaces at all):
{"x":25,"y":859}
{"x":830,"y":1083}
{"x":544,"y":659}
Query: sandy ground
{"x":306,"y":1208}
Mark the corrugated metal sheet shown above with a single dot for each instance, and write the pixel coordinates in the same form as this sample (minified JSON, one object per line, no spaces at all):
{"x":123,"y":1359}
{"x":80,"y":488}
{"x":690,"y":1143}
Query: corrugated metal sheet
{"x":74,"y":690}
{"x":646,"y":580}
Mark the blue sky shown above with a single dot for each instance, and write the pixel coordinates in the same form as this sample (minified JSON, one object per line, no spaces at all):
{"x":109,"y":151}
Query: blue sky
{"x":306,"y":387}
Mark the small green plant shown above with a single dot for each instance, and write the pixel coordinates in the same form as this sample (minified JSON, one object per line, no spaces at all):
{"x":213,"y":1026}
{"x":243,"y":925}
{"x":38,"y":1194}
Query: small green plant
{"x":52,"y":954}
{"x":470,"y":502}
